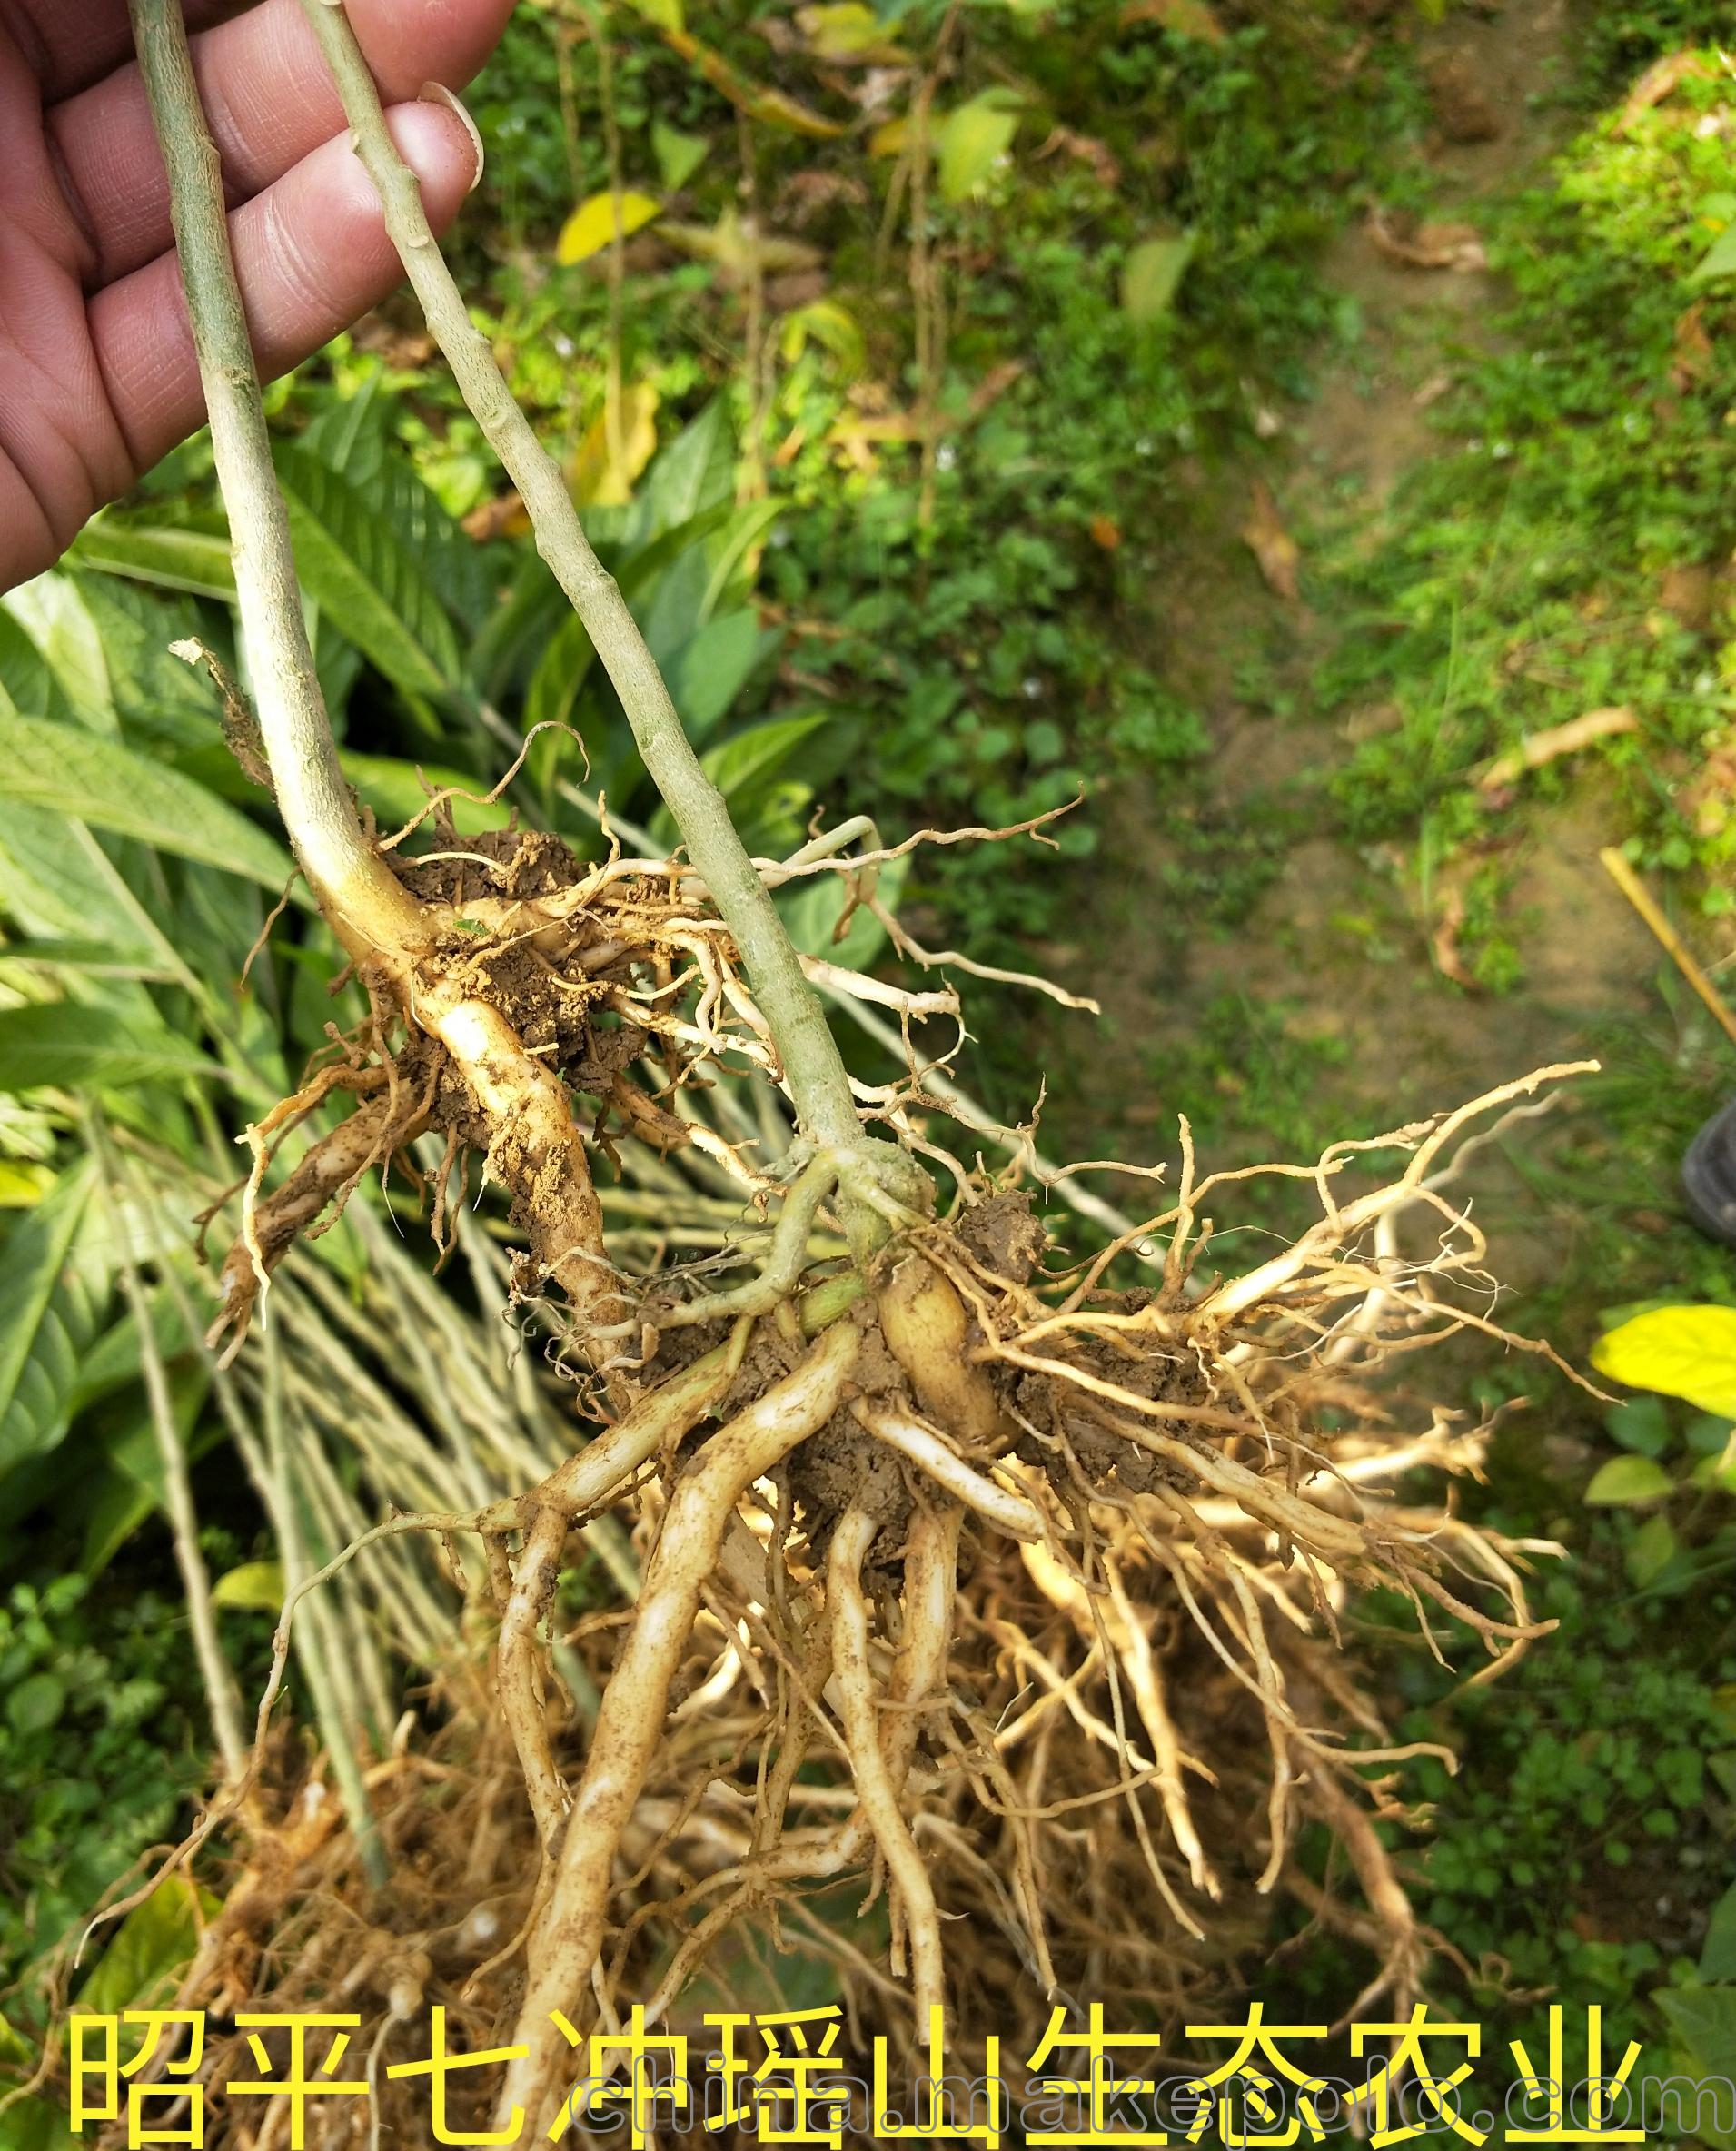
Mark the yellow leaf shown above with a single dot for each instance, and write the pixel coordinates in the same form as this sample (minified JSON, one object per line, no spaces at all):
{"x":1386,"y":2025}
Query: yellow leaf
{"x":257,"y":1585}
{"x":592,"y":226}
{"x":21,"y":1185}
{"x":599,"y":482}
{"x":974,"y":140}
{"x":849,"y":33}
{"x":1684,"y":1351}
{"x":891,"y":138}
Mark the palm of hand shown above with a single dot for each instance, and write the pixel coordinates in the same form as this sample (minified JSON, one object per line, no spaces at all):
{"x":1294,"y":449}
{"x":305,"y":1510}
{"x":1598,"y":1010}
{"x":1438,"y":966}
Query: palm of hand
{"x":97,"y":378}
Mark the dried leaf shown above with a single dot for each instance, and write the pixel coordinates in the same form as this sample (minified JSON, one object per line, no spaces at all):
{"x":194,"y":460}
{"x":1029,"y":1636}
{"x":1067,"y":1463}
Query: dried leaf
{"x":1659,"y":81}
{"x":740,"y":250}
{"x":759,"y":101}
{"x":1428,"y":247}
{"x":1557,"y":740}
{"x":1106,"y":532}
{"x":1272,"y":545}
{"x":1443,"y":943}
{"x":1693,"y":353}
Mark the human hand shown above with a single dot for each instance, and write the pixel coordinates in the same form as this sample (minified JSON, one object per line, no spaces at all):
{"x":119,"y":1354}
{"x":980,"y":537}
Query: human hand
{"x":97,"y":375}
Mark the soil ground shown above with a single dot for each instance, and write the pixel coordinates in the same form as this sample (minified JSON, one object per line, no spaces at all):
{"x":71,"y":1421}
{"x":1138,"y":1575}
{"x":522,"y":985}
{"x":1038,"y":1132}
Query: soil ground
{"x":1340,"y":939}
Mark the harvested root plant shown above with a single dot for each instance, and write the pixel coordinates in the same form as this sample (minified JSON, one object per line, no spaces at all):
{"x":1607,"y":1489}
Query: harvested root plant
{"x":998,"y":1583}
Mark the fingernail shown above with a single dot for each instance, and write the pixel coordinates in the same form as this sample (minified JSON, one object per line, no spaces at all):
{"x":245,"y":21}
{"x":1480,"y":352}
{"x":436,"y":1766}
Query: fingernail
{"x":436,"y":93}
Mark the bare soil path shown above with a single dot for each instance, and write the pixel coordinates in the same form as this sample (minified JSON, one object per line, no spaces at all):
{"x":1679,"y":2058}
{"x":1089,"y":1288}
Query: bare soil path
{"x":1338,"y":947}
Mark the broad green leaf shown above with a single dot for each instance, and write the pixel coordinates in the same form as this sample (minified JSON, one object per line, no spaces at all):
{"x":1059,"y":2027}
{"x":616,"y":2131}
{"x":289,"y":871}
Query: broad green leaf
{"x":741,"y":535}
{"x":560,"y":674}
{"x":708,"y":672}
{"x":1151,"y":274}
{"x":75,"y":772}
{"x":695,"y":473}
{"x":745,"y":764}
{"x":164,"y":554}
{"x":1705,"y":2023}
{"x":132,"y":1487}
{"x":974,"y":140}
{"x":1685,"y":1352}
{"x":151,"y":1944}
{"x":256,"y":1585}
{"x":1641,"y":1424}
{"x":395,"y":791}
{"x":812,"y":909}
{"x":57,"y":619}
{"x":592,"y":226}
{"x":678,"y":156}
{"x":27,"y":687}
{"x":1626,"y":1480}
{"x":361,"y":568}
{"x":1720,"y":260}
{"x":32,"y":2124}
{"x":37,"y":1348}
{"x":76,"y":1047}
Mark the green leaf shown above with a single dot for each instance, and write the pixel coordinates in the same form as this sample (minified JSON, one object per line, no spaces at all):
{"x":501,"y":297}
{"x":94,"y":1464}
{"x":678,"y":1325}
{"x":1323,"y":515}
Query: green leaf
{"x":57,"y":620}
{"x":78,"y":1047}
{"x":161,"y":554}
{"x":812,"y":909}
{"x":678,"y":156}
{"x":1720,"y":259}
{"x":1151,"y":274}
{"x":27,"y":687}
{"x":32,"y":2124}
{"x":592,"y":226}
{"x":1641,"y":1424}
{"x":560,"y":674}
{"x":743,"y":531}
{"x":395,"y":791}
{"x":257,"y":1586}
{"x":1704,"y":2019}
{"x":1654,"y":1546}
{"x":694,"y":474}
{"x":150,"y":1945}
{"x":358,"y":562}
{"x":707,"y":673}
{"x":1685,"y":1352}
{"x":1718,"y":1956}
{"x":34,"y":1705}
{"x":668,"y":15}
{"x":1626,"y":1480}
{"x":974,"y":140}
{"x":75,"y":772}
{"x":37,"y":1354}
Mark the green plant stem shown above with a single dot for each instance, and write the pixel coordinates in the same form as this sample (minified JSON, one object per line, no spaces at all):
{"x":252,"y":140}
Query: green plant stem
{"x":813,"y":1065}
{"x":222,"y":1696}
{"x":365,"y":903}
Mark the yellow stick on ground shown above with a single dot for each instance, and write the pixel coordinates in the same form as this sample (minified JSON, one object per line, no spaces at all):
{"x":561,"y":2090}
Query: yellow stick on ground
{"x":1643,"y":901}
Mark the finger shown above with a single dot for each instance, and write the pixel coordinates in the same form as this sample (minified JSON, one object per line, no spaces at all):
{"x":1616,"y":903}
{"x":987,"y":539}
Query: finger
{"x":311,"y":254}
{"x":269,"y":99}
{"x":71,"y":43}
